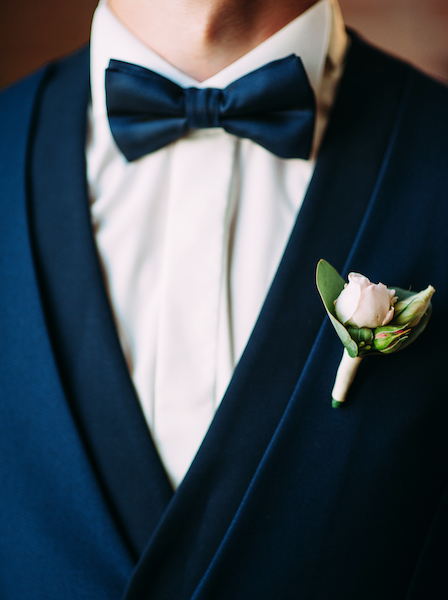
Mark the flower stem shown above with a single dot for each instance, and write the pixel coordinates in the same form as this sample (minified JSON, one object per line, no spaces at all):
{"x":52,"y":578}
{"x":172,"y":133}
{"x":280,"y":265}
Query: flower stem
{"x":344,"y":378}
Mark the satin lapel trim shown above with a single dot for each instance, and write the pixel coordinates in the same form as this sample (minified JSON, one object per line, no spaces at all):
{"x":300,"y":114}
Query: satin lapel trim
{"x":79,"y":319}
{"x":346,"y":172}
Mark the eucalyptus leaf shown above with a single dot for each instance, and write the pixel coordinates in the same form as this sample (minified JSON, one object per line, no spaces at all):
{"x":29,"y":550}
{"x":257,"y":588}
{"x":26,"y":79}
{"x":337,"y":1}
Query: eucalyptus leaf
{"x":330,"y":284}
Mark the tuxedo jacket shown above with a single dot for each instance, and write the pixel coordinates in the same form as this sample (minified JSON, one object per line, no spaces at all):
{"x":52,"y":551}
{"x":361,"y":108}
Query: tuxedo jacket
{"x":287,"y":497}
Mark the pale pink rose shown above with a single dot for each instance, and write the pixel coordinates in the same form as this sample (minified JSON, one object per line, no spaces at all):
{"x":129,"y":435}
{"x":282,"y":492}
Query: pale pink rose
{"x":365,"y":304}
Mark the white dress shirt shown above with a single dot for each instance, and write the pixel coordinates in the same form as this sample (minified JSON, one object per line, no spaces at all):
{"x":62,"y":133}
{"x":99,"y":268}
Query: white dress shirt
{"x":130,"y":205}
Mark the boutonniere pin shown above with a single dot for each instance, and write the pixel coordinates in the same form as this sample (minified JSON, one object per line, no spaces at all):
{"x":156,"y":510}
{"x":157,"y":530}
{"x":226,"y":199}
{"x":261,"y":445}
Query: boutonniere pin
{"x":369,"y":319}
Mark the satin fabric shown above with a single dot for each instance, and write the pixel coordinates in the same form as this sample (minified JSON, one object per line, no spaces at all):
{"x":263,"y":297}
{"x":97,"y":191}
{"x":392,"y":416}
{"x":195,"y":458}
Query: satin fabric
{"x":273,"y":106}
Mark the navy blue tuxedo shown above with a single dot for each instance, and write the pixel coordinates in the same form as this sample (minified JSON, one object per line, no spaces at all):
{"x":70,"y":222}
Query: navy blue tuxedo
{"x":287,"y":497}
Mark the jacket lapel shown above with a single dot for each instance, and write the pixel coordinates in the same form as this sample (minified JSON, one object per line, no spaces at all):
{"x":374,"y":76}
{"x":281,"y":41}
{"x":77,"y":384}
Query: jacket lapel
{"x":79,"y":319}
{"x":55,"y":525}
{"x":209,"y":498}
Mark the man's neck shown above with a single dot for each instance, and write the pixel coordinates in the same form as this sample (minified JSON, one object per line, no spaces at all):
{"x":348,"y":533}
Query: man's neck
{"x":202,"y":37}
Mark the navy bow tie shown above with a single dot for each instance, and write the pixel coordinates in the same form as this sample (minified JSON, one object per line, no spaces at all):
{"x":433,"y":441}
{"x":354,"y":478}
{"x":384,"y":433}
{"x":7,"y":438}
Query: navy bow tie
{"x":274,"y":106}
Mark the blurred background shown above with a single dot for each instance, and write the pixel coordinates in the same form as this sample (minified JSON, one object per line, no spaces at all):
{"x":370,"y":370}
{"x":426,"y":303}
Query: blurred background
{"x":33,"y":32}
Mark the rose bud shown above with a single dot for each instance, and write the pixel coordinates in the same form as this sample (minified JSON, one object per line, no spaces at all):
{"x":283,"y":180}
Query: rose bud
{"x":388,"y":339}
{"x":364,"y":304}
{"x":410,"y":311}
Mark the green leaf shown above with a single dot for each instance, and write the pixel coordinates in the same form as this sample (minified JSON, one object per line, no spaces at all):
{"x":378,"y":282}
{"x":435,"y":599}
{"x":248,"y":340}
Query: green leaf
{"x":330,"y":284}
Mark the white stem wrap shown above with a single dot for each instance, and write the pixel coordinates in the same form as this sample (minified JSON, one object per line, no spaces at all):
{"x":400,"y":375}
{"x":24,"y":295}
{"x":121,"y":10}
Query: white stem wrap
{"x":345,"y":375}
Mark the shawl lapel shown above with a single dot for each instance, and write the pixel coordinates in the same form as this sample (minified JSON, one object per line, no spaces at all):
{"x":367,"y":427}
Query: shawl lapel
{"x":79,"y":319}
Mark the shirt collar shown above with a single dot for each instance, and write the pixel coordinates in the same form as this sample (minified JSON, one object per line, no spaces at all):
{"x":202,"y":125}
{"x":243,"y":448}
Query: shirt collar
{"x":307,"y":36}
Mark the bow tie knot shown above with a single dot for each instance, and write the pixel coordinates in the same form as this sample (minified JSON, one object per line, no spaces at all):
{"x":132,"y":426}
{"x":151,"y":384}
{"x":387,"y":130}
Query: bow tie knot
{"x":273,"y":106}
{"x":202,"y":107}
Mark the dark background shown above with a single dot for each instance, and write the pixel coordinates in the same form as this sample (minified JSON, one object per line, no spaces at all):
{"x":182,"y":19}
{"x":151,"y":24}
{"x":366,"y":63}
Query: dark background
{"x":35,"y":31}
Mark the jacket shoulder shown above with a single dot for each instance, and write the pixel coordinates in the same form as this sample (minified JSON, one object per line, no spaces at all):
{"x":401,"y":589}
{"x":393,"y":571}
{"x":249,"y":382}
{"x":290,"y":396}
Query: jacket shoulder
{"x":18,"y":99}
{"x":16,"y":105}
{"x":421,"y":122}
{"x":429,"y":95}
{"x":20,"y":107}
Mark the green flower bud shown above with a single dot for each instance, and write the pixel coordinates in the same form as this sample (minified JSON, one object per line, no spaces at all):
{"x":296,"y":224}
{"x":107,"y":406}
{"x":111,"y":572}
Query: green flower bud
{"x":389,"y":338}
{"x":362,"y":335}
{"x":410,"y":311}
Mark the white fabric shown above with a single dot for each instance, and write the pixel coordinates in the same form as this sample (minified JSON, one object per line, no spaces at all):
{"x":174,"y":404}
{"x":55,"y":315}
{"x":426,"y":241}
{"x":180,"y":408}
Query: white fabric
{"x":192,"y":283}
{"x":138,"y":207}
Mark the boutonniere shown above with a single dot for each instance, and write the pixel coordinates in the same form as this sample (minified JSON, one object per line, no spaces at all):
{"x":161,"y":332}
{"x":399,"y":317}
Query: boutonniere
{"x":369,"y":319}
